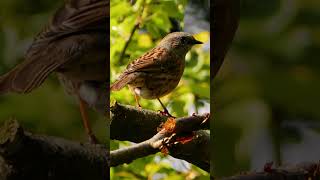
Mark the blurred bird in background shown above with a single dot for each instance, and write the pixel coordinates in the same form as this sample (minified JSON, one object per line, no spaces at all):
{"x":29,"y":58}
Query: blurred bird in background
{"x":75,"y":46}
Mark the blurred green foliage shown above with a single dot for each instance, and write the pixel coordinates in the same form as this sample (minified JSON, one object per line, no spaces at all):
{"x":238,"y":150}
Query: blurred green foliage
{"x":48,"y":109}
{"x":271,"y":69}
{"x":191,"y":94}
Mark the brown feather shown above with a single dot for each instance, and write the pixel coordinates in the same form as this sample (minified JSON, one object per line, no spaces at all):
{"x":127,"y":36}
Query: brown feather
{"x":121,"y":82}
{"x":150,"y":61}
{"x":53,"y":46}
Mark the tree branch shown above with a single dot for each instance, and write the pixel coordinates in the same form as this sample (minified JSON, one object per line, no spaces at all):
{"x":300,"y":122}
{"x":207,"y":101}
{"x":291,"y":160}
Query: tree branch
{"x":126,"y":45}
{"x":141,"y":125}
{"x":28,"y":156}
{"x":133,"y":30}
{"x":300,"y":171}
{"x":131,"y":124}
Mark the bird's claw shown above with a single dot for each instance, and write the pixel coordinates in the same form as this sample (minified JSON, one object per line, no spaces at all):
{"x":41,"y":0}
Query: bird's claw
{"x":165,"y":113}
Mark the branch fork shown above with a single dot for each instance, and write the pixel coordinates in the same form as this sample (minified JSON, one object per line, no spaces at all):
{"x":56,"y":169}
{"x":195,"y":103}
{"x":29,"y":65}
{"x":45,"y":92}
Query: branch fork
{"x":185,"y":138}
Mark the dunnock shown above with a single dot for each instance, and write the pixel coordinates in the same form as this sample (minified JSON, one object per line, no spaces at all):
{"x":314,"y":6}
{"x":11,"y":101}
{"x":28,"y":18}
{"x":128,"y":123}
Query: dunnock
{"x":74,"y":45}
{"x":157,"y":72}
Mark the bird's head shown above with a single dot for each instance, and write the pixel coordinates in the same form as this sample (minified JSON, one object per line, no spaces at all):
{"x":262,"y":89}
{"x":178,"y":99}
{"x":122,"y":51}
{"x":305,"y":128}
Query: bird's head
{"x":180,"y":42}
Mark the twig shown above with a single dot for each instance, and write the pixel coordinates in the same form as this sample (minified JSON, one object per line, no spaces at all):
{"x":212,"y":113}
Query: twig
{"x":135,"y":27}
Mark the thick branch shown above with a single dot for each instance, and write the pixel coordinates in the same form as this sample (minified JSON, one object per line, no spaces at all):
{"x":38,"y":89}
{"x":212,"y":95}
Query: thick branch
{"x":28,"y":156}
{"x":196,"y":151}
{"x":131,"y":124}
{"x":138,"y":121}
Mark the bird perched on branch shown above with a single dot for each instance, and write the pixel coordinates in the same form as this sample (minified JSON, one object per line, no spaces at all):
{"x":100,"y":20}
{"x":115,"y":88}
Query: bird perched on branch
{"x":75,"y":46}
{"x":157,"y":72}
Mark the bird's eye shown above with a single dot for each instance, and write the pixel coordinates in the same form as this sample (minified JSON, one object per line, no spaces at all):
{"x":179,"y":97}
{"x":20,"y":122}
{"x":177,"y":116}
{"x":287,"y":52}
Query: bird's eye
{"x":184,"y":40}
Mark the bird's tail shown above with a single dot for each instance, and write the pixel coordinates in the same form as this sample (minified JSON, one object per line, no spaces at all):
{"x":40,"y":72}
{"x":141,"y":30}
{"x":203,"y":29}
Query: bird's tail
{"x":121,"y":82}
{"x":5,"y":83}
{"x":13,"y":81}
{"x":25,"y":77}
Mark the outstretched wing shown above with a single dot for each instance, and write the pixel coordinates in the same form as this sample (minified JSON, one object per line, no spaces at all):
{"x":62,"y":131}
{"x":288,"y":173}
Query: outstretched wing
{"x":51,"y":48}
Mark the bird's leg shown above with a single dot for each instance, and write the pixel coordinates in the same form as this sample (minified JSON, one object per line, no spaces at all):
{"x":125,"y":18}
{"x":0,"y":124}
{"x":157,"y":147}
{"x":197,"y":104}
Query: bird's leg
{"x":137,"y":100}
{"x":85,"y":121}
{"x":165,"y":110}
{"x":136,"y":97}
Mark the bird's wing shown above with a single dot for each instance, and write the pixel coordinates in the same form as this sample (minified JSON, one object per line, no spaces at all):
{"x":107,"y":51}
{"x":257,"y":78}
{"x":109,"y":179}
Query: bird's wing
{"x":153,"y":61}
{"x":75,"y":17}
{"x":51,"y":49}
{"x":150,"y":61}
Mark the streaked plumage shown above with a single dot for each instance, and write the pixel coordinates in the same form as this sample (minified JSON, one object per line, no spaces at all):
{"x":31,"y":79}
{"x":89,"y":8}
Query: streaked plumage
{"x":75,"y":46}
{"x":157,"y":72}
{"x":77,"y":36}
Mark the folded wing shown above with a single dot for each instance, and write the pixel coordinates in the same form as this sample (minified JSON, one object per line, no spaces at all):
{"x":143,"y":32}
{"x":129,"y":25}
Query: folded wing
{"x":50,"y":48}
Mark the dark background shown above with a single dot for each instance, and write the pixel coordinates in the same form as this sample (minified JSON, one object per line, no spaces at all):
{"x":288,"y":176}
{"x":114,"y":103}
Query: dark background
{"x":266,"y":95}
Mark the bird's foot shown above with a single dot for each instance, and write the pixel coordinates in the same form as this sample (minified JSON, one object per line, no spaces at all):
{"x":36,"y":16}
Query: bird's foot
{"x":165,"y":112}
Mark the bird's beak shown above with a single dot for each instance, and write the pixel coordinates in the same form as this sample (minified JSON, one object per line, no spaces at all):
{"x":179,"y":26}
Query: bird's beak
{"x":197,"y":42}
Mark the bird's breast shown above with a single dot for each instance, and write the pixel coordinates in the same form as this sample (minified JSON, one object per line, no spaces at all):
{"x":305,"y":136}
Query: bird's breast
{"x":156,"y":85}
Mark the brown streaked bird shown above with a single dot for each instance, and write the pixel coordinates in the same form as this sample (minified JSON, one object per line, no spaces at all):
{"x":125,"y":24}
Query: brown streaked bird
{"x":157,"y":72}
{"x":75,"y":46}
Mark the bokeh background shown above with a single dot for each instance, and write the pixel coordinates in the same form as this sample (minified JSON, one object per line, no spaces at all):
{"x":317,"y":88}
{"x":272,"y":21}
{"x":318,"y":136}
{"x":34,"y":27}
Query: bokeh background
{"x":158,"y":18}
{"x":266,"y":96}
{"x":48,"y":109}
